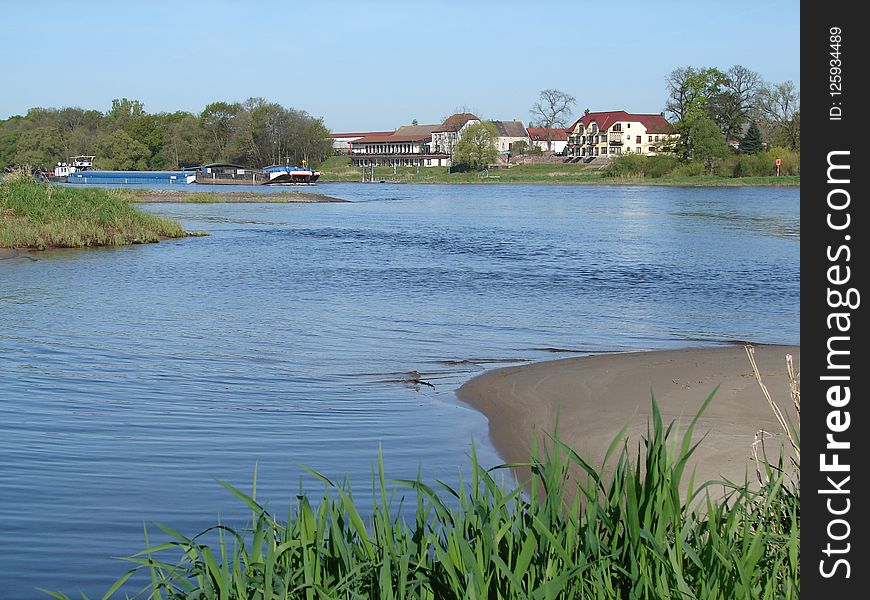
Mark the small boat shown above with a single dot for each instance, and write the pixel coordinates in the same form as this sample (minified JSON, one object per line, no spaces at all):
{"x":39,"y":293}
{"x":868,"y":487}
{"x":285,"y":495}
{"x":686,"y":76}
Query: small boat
{"x":62,"y":171}
{"x":283,"y":174}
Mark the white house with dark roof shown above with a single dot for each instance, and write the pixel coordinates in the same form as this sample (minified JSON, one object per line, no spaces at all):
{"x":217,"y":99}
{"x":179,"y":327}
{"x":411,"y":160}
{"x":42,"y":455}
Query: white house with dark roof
{"x":509,"y":132}
{"x":611,"y":133}
{"x":445,"y":136}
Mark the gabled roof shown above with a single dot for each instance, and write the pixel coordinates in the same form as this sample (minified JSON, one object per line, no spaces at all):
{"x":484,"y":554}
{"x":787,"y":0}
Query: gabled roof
{"x":416,"y":129}
{"x":654,"y":123}
{"x":455,"y":122}
{"x":510,"y":128}
{"x":539,"y":134}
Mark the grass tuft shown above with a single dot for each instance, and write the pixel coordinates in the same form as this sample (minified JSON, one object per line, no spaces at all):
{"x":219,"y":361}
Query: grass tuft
{"x":36,"y":215}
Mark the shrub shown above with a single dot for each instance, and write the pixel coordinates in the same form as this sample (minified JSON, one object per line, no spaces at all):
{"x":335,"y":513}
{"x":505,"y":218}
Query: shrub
{"x":661,"y":165}
{"x":763,"y":164}
{"x":689,"y":169}
{"x":627,"y":165}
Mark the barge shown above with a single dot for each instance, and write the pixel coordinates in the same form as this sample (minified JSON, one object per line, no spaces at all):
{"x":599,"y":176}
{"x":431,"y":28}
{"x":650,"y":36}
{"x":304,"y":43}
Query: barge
{"x":127,"y":177}
{"x":282,"y":174}
{"x":80,"y":170}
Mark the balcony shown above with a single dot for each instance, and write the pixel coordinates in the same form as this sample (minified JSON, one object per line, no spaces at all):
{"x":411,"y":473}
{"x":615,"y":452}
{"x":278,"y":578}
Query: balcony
{"x":616,"y":139}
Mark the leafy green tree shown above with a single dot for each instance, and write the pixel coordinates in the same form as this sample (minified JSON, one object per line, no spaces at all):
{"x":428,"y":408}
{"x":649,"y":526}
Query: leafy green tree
{"x":8,"y":148}
{"x":519,"y":147}
{"x":706,"y":142}
{"x":313,"y":143}
{"x":40,"y":147}
{"x":779,"y":105}
{"x":731,"y":107}
{"x":219,"y":121}
{"x":476,"y":148}
{"x":752,"y":142}
{"x":185,"y":143}
{"x":123,"y":112}
{"x":118,"y":151}
{"x":691,"y":91}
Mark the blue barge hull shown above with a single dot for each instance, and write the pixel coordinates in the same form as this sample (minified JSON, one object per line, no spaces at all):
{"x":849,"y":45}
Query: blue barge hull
{"x":125,"y":177}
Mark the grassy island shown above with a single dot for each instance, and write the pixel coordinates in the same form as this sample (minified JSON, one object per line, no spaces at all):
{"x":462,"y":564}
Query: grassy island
{"x":40,"y":216}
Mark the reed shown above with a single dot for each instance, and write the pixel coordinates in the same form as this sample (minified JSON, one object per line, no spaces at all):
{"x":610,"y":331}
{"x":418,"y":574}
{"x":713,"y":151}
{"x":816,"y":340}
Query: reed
{"x":35,"y":215}
{"x":635,"y":534}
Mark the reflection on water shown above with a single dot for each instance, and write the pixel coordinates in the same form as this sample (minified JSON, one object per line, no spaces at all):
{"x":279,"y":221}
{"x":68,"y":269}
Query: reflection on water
{"x":131,"y":378}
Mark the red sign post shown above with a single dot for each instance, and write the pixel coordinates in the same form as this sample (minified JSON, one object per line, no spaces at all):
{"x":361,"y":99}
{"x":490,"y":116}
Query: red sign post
{"x":778,"y":165}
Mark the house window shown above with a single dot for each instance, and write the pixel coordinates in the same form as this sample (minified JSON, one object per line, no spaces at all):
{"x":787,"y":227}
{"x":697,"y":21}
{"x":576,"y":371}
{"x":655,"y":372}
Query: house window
{"x":604,"y":150}
{"x":650,"y":139}
{"x":628,"y":125}
{"x":657,"y":138}
{"x":638,"y":140}
{"x":638,"y":150}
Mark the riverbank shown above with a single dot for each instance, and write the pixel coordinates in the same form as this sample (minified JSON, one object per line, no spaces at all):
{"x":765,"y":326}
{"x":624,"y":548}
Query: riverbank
{"x":594,"y":397}
{"x":194,"y":197}
{"x":39,"y":216}
{"x":337,"y":169}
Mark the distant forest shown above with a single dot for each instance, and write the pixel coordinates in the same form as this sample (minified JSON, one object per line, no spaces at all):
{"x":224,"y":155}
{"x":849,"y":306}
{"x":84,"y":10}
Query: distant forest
{"x":253,"y":133}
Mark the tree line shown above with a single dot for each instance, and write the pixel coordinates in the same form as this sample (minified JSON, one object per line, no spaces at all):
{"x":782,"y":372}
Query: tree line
{"x":710,"y":108}
{"x":253,"y":133}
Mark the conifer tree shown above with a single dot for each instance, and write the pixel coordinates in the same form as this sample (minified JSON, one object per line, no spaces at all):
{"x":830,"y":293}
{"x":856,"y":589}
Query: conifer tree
{"x":751,"y":142}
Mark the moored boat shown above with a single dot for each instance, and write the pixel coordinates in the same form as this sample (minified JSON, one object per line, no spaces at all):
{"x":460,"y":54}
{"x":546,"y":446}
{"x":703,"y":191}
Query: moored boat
{"x":283,"y":174}
{"x":76,"y":164}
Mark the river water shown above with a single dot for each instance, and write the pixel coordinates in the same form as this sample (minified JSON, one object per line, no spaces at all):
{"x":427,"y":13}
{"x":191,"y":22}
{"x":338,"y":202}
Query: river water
{"x":132,"y":378}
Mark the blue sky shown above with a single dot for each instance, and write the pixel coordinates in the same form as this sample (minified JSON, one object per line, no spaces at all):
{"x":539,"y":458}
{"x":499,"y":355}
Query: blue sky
{"x":368,"y":66}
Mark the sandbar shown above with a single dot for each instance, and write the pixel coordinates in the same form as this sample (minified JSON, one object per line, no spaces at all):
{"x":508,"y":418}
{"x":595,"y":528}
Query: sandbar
{"x":594,"y":396}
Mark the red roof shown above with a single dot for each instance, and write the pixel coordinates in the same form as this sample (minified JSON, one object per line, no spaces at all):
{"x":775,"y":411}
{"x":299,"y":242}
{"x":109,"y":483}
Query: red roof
{"x":654,"y":123}
{"x":539,"y":134}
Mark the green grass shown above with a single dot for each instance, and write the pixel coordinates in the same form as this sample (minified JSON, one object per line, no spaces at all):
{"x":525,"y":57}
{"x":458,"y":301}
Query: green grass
{"x":337,"y":168}
{"x":34,"y":215}
{"x":202,"y":198}
{"x":573,"y":533}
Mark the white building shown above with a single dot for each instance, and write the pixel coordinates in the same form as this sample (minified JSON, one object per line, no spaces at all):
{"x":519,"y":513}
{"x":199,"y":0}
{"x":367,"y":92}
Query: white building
{"x":408,"y":146}
{"x":510,"y":132}
{"x":549,"y":140}
{"x":342,"y":142}
{"x":445,"y":136}
{"x":612,"y":133}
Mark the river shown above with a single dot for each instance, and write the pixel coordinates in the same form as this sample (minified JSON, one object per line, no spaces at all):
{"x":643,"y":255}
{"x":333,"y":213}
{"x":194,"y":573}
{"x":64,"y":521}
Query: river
{"x":132,"y":378}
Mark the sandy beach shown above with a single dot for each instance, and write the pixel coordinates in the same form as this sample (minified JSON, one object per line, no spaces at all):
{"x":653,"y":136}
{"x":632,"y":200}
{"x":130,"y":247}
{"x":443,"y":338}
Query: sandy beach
{"x":595,"y":396}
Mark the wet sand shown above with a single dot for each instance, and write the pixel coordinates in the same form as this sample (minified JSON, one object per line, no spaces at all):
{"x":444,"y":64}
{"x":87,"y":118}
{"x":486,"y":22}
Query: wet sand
{"x":595,"y":396}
